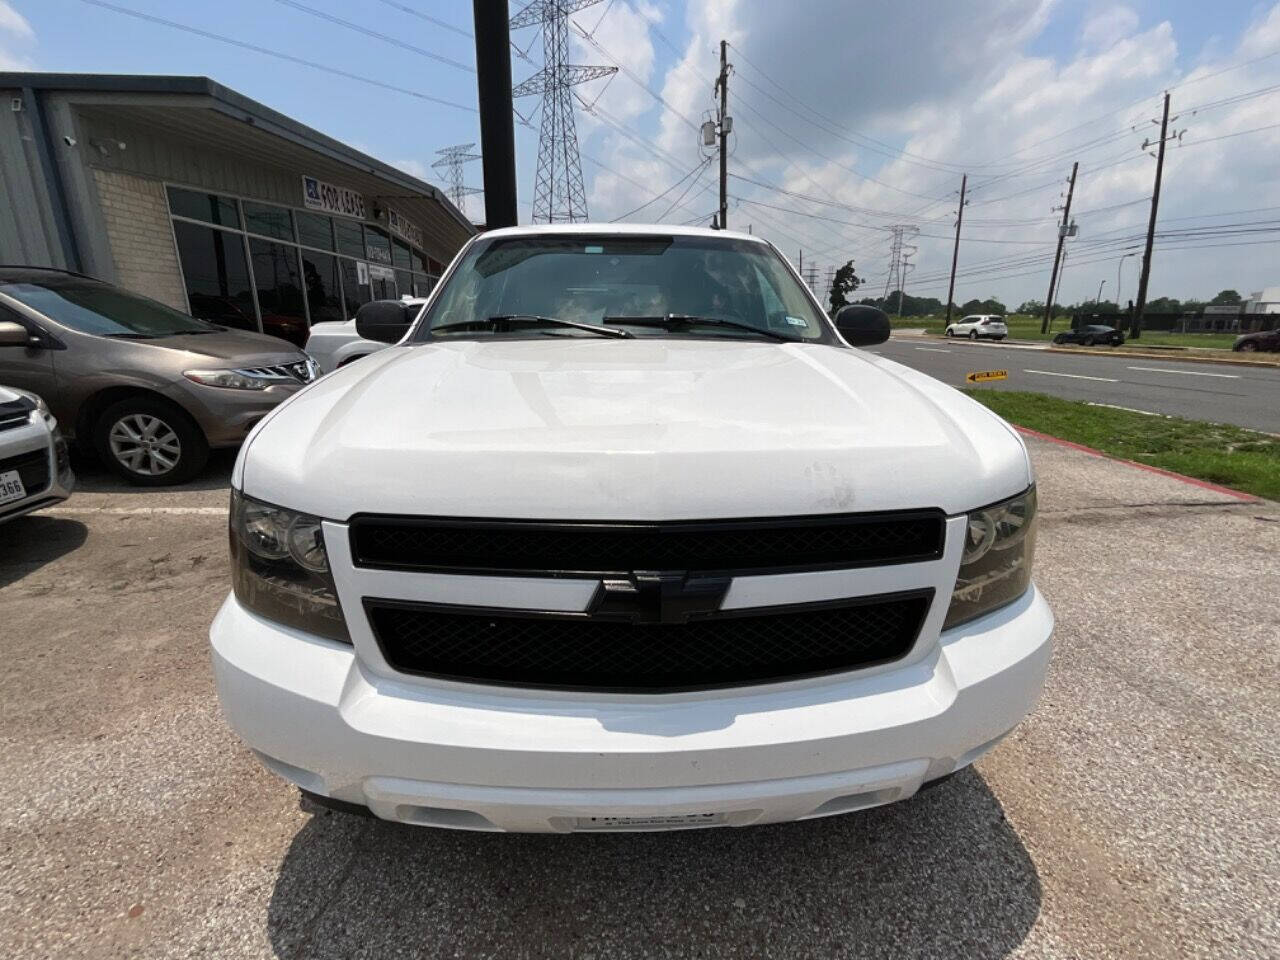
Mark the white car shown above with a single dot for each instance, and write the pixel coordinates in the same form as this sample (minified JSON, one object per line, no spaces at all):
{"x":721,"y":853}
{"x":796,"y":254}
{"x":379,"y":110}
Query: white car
{"x":623,"y":535}
{"x":337,"y":343}
{"x":35,"y":468}
{"x":979,"y":325}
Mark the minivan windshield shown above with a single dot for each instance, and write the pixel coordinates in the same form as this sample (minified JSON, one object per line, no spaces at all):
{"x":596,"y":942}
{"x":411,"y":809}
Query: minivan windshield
{"x":648,"y":286}
{"x":88,"y":306}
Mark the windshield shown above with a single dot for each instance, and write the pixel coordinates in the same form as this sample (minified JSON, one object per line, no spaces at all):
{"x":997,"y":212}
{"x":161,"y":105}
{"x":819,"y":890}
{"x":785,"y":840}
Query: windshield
{"x":88,"y":306}
{"x":624,"y":282}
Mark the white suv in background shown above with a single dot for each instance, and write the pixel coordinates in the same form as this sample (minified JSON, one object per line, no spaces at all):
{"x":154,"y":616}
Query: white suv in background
{"x":979,"y":325}
{"x":336,"y":343}
{"x":625,"y":534}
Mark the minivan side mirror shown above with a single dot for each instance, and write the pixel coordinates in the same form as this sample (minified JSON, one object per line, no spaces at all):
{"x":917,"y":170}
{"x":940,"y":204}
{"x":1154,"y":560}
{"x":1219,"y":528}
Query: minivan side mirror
{"x":862,"y":326}
{"x":14,"y":335}
{"x":385,"y":321}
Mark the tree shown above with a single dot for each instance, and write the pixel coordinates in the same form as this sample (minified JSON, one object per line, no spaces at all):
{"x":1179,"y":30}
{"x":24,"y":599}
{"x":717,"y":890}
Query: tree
{"x":1033,"y":307}
{"x":843,"y":283}
{"x":990,"y":305}
{"x":1226,"y":298}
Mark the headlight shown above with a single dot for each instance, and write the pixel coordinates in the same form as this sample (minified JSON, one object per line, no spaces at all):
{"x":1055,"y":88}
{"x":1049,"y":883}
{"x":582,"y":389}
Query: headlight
{"x":280,"y":569}
{"x":231,"y":379}
{"x":995,"y":567}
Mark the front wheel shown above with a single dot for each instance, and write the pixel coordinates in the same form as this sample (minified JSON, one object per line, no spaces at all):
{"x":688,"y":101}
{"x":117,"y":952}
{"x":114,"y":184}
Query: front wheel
{"x":1248,"y":347}
{"x":950,"y":332}
{"x":150,"y":442}
{"x":1088,"y":341}
{"x":973,"y":334}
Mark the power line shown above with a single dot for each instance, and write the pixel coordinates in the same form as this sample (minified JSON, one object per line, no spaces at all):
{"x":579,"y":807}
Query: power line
{"x":658,"y":196}
{"x":394,"y":41}
{"x":428,"y":18}
{"x":265,"y":51}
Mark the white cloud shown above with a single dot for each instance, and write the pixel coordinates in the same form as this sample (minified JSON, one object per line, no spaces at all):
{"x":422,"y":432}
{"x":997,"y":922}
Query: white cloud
{"x":14,"y":28}
{"x":1108,"y":25}
{"x":954,"y":87}
{"x":416,"y":168}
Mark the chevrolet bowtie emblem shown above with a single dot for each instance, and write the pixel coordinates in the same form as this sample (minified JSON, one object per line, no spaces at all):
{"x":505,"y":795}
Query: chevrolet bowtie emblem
{"x":659,"y":596}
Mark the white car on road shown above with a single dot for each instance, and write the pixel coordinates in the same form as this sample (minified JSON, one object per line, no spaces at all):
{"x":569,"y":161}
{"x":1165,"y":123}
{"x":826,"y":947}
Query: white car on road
{"x":337,"y":343}
{"x":624,"y":535}
{"x":35,"y":469}
{"x":979,"y":325}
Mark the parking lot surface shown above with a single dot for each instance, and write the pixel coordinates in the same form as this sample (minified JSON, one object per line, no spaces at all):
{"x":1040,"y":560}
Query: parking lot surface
{"x":1133,"y":815}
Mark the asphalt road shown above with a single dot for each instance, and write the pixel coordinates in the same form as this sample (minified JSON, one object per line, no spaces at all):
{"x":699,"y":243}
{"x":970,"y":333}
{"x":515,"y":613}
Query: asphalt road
{"x":1133,"y":814}
{"x":1218,"y":392}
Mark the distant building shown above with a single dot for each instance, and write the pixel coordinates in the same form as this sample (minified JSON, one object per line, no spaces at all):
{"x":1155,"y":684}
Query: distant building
{"x":1266,"y":300}
{"x":187,"y":192}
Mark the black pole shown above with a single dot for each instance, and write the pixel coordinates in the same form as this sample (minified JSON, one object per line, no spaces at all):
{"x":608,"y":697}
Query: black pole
{"x":1057,"y":256}
{"x":723,"y":84}
{"x":1135,"y":322}
{"x":955,"y":253}
{"x":497,"y":119}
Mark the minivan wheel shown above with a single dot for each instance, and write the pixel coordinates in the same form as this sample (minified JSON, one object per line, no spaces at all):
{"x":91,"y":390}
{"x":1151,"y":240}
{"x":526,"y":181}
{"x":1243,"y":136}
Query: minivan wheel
{"x":150,"y":442}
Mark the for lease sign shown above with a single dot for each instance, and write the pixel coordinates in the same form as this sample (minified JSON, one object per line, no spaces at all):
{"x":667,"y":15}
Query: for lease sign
{"x":318,"y":195}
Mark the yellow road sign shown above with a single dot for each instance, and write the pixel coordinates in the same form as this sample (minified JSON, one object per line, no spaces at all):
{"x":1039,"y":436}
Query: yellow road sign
{"x":982,"y":376}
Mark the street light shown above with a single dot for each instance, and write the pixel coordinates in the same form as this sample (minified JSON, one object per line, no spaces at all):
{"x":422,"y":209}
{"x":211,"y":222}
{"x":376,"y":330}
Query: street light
{"x":1098,"y":299}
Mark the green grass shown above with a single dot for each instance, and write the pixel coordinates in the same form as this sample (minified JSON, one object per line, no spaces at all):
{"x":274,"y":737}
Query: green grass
{"x":1232,"y":456}
{"x":1024,"y":327}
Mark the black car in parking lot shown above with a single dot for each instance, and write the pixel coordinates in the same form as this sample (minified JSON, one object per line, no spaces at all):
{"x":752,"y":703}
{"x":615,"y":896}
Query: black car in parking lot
{"x":1090,"y":335}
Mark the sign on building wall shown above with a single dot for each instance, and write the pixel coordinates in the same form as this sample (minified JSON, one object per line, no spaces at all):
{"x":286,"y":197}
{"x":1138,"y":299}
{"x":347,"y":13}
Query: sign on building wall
{"x":404,"y":229}
{"x":381,"y":273}
{"x":318,"y":195}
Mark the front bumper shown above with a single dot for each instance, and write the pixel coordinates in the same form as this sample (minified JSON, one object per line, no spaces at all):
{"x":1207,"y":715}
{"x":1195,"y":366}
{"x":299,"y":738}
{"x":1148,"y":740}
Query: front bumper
{"x":487,"y":759}
{"x":226,"y":416}
{"x":27,"y":440}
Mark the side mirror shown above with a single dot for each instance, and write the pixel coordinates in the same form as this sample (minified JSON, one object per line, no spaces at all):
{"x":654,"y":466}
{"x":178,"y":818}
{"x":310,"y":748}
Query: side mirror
{"x":862,"y":326}
{"x":14,"y":335}
{"x":385,"y":321}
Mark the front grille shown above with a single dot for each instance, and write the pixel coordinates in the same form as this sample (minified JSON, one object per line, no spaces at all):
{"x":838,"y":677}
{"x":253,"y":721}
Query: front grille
{"x":33,"y":469}
{"x":580,"y":651}
{"x":599,"y":549}
{"x":300,"y":371}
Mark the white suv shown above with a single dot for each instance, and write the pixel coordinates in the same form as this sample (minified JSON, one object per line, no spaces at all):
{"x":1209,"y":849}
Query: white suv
{"x":623,"y":535}
{"x":977,"y":325}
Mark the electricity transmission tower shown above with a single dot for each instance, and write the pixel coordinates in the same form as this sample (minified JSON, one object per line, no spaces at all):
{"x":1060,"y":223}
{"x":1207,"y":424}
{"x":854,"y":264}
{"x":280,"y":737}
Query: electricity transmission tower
{"x":896,"y":272}
{"x":450,"y":164}
{"x":559,"y":195}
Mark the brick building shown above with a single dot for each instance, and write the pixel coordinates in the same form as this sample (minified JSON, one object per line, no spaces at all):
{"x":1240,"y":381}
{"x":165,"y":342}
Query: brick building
{"x":182,"y":190}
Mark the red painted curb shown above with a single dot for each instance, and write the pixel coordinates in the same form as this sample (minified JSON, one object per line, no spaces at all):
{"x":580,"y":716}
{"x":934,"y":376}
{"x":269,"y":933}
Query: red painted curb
{"x":1238,"y":494}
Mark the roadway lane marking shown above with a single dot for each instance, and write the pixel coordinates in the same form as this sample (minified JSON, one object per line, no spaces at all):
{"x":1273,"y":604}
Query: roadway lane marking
{"x":1189,"y":373}
{"x":1112,"y":406}
{"x":933,"y":349}
{"x":1073,"y":376}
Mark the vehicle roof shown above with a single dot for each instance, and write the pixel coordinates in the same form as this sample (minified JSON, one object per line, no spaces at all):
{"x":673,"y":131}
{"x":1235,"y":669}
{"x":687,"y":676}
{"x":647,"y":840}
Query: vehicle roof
{"x":618,"y":229}
{"x":13,"y":272}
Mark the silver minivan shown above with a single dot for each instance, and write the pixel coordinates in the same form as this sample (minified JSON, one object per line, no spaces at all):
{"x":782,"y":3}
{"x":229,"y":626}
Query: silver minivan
{"x":146,"y":387}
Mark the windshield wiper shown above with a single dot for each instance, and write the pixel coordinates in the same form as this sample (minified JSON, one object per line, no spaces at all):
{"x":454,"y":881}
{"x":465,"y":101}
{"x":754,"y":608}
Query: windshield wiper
{"x":510,"y":320}
{"x":673,"y":320}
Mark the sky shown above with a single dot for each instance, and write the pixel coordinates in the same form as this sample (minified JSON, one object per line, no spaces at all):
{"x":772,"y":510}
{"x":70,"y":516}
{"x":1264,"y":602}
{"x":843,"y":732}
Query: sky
{"x":849,"y":119}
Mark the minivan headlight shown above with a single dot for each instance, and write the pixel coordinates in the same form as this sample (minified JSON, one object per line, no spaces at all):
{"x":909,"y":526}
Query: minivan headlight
{"x":280,"y":570}
{"x":995,"y":567}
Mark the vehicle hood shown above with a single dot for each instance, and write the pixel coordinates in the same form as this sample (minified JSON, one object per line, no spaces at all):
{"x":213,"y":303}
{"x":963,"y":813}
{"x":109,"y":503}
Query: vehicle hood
{"x":642,"y":429}
{"x":241,"y":346}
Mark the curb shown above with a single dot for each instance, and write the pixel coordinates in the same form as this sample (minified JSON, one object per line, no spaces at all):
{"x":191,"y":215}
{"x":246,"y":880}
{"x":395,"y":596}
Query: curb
{"x":1203,"y":484}
{"x":1230,"y":361}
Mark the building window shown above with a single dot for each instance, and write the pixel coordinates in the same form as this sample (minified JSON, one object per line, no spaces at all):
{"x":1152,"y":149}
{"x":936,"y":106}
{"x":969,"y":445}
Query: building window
{"x":268,"y":220}
{"x":216,"y":275}
{"x":378,"y":245}
{"x":404,"y":282}
{"x":354,"y":293}
{"x":403,"y":258}
{"x":209,"y":207}
{"x":350,"y":238}
{"x":277,"y":278}
{"x":324,"y":291}
{"x":314,"y":230}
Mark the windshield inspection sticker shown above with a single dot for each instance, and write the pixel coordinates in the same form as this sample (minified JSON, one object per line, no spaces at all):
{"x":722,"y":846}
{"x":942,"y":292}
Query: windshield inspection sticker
{"x":797,"y":321}
{"x":982,"y":376}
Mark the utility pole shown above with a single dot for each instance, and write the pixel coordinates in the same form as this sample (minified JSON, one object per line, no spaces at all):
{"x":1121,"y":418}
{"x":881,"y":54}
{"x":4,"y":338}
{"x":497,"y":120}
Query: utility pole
{"x":725,"y":126}
{"x":905,"y":266}
{"x":497,"y":123}
{"x":1057,"y":256}
{"x":1135,"y":322}
{"x":955,"y":253}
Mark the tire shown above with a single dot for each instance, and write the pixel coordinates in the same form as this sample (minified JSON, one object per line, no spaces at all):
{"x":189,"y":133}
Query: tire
{"x":1088,"y":342}
{"x":1059,"y":340}
{"x":1248,"y":347}
{"x":150,"y":441}
{"x":973,"y":334}
{"x":950,"y":333}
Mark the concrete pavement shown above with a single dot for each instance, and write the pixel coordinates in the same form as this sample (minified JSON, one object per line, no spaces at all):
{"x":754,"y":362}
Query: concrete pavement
{"x":1133,"y":815}
{"x":1222,"y":393}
